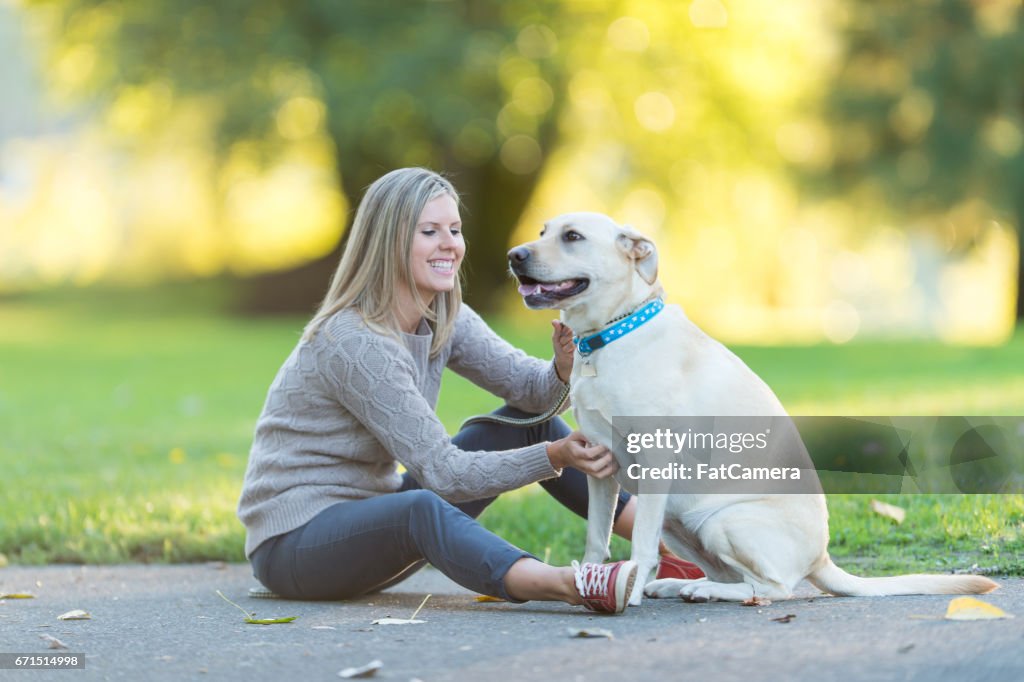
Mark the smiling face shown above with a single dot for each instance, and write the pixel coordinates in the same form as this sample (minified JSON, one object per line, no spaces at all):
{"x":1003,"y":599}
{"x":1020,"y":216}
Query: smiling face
{"x":437,"y":248}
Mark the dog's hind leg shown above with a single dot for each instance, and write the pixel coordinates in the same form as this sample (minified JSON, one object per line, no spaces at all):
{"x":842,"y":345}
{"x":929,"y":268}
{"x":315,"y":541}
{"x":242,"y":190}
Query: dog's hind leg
{"x":650,"y":514}
{"x":707,"y":590}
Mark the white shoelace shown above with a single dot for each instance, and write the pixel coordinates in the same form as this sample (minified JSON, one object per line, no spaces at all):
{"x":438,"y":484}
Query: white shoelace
{"x":590,"y":578}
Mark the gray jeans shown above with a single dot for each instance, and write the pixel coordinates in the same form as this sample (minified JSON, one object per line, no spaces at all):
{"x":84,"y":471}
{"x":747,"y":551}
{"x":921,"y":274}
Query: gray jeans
{"x":353,"y":548}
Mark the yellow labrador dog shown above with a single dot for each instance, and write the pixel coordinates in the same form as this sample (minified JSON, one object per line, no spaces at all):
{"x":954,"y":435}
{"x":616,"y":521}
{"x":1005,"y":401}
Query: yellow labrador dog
{"x":597,"y":272}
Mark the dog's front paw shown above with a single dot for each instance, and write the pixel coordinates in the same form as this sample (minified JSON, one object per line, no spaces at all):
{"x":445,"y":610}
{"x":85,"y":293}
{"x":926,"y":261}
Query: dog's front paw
{"x":636,"y":597}
{"x":665,"y":588}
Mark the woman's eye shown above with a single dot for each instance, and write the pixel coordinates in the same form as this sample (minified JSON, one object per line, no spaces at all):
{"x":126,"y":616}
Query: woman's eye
{"x":456,"y":231}
{"x":572,"y":236}
{"x":429,"y":233}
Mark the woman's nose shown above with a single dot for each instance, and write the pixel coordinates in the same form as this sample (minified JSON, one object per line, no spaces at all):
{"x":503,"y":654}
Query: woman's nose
{"x":448,"y":240}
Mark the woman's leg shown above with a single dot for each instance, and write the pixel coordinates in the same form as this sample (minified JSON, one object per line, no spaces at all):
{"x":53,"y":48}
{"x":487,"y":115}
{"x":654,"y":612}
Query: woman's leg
{"x":529,"y":579}
{"x":357,"y":547}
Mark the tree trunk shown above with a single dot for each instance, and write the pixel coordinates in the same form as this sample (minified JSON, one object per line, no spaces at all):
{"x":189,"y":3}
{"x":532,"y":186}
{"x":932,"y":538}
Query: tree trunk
{"x":1019,"y":206}
{"x":493,"y":199}
{"x":1020,"y":269}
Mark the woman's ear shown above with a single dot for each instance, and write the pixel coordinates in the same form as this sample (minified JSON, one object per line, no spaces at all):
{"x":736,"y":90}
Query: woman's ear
{"x":641,"y":251}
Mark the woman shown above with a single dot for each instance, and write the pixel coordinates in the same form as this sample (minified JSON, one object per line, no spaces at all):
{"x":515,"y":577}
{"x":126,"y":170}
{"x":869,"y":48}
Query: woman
{"x":326,"y":512}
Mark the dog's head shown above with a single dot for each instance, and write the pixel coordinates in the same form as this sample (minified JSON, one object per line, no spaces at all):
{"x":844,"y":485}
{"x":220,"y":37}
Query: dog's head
{"x":585,"y":258}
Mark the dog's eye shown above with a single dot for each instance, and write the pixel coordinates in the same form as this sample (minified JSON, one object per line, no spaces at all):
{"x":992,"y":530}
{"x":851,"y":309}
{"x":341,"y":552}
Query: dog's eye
{"x":571,"y":236}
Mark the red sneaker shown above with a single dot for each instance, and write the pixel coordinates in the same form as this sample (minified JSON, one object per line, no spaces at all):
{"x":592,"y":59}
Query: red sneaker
{"x":674,"y":567}
{"x":605,"y":587}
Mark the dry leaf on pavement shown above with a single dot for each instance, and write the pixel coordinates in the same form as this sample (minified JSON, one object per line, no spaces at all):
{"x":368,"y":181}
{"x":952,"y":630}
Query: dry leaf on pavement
{"x":77,"y":614}
{"x":404,"y":621}
{"x":969,"y":608}
{"x":52,"y":642}
{"x":590,"y":632}
{"x":758,"y":601}
{"x":368,"y":670}
{"x":251,"y":617}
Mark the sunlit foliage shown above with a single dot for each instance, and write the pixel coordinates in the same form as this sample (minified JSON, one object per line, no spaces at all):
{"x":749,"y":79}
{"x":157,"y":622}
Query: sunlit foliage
{"x":809,"y":169}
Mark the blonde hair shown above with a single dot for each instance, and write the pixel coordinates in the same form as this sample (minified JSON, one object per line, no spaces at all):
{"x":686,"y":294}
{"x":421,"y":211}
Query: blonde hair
{"x":376,"y":257}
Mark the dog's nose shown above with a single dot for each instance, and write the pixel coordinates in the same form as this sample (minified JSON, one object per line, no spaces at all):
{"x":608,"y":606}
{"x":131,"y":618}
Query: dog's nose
{"x":518,"y":255}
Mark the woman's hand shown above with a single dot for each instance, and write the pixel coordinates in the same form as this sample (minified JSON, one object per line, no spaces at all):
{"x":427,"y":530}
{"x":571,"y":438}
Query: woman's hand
{"x":573,"y":451}
{"x":561,"y":341}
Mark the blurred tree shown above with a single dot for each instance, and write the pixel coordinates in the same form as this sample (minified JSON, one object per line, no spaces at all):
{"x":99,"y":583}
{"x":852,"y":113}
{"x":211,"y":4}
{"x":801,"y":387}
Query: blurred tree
{"x":469,"y":87}
{"x":927,"y":109}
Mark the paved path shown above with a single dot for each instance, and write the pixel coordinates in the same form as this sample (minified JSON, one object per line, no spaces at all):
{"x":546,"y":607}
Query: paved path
{"x":167,"y":623}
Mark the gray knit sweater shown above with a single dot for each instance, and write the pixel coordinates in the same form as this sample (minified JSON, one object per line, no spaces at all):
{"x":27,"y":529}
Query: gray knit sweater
{"x":350,"y":404}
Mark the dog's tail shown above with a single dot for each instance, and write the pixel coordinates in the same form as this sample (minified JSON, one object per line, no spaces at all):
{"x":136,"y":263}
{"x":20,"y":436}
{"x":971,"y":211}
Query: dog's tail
{"x":830,"y":578}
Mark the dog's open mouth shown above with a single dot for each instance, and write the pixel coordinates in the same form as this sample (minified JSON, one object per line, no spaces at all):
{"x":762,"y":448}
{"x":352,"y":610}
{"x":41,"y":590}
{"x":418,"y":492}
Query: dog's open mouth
{"x":538,"y":293}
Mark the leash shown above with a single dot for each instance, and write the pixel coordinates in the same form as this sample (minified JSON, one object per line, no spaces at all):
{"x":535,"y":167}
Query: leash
{"x":522,"y":421}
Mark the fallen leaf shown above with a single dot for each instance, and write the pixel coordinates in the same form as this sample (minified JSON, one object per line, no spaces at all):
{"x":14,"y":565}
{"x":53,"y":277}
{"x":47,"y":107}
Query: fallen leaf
{"x":368,"y":670}
{"x":486,"y":597}
{"x":17,"y":595}
{"x":52,"y":642}
{"x":250,"y":617}
{"x":270,"y":621}
{"x":590,"y":632}
{"x":757,"y":601}
{"x":969,"y":608}
{"x":397,"y":621}
{"x":897,"y":514}
{"x":404,"y":621}
{"x":77,"y":614}
{"x":785,"y":619}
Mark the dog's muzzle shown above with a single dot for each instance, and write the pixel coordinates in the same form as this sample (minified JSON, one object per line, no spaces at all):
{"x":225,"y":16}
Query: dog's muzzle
{"x":537,"y":293}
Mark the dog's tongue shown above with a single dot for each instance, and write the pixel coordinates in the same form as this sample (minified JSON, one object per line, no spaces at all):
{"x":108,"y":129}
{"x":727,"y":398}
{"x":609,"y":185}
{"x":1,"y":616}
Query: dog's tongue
{"x":531,"y":289}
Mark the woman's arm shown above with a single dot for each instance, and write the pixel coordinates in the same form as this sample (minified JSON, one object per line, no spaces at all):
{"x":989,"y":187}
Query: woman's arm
{"x":492,"y":363}
{"x":374,"y":379}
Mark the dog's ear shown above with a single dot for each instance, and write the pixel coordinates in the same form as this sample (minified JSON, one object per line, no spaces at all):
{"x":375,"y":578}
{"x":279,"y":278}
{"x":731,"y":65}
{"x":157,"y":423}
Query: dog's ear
{"x":641,"y":251}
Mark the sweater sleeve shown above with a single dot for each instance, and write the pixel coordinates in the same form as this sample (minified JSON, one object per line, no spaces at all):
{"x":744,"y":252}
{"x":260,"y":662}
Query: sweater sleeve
{"x":493,"y":364}
{"x":374,"y":378}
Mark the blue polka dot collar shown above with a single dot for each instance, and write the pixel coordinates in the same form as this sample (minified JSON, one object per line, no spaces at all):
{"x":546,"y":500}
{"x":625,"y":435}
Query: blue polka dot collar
{"x":588,"y":344}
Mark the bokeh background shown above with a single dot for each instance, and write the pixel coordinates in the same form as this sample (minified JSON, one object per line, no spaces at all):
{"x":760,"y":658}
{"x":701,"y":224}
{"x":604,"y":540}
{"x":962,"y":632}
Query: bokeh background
{"x":812,"y":170}
{"x":836,"y":188}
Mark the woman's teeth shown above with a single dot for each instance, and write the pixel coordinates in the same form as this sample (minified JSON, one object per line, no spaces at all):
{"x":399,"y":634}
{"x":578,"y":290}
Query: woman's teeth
{"x":441,"y":265}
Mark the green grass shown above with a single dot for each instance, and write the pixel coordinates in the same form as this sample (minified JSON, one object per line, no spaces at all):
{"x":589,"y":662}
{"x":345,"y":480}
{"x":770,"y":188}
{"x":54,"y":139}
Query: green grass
{"x":125,"y":420}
